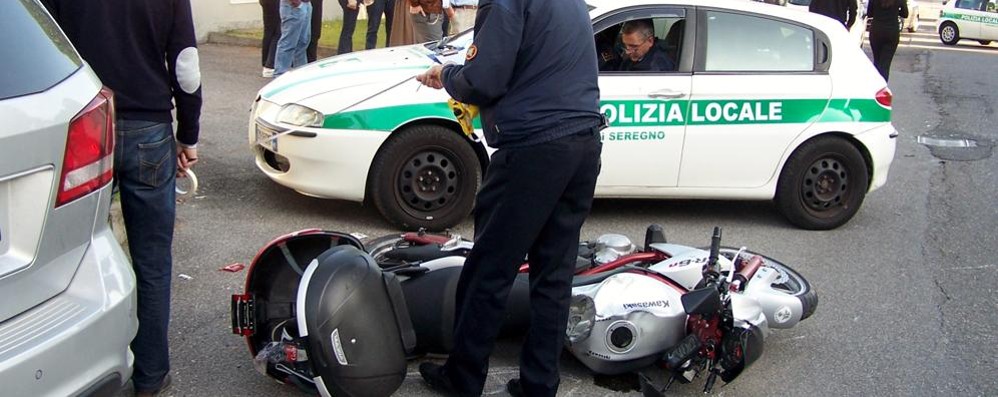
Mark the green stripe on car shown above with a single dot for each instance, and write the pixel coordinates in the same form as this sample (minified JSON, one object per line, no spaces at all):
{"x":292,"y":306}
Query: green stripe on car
{"x":651,"y":113}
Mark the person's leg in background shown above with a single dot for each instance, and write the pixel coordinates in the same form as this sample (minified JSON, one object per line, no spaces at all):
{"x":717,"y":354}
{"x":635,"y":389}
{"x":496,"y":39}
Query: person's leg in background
{"x":145,"y":159}
{"x":316,"y":31}
{"x":374,"y":12}
{"x":389,"y":19}
{"x":271,"y":34}
{"x":349,"y":24}
{"x":301,"y":50}
{"x":292,"y":22}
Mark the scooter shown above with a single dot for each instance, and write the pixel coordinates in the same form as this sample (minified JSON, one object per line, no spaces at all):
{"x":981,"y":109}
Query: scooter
{"x":346,"y":323}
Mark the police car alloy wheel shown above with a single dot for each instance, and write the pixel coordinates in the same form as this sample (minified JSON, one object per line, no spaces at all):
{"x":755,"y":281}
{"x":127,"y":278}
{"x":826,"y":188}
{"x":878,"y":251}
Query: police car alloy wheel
{"x":425,"y":176}
{"x":823,"y":184}
{"x":949,"y":33}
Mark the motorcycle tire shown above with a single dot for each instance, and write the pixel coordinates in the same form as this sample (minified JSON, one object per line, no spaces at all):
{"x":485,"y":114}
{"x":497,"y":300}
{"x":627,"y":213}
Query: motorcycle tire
{"x":791,"y":282}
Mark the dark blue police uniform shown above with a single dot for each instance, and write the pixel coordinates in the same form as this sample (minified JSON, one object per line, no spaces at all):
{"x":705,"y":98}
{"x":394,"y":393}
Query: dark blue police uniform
{"x":532,"y":71}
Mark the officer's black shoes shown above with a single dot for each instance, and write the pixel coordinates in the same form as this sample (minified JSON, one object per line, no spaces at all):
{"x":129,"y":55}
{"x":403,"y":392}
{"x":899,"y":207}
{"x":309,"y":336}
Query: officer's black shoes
{"x":163,"y":387}
{"x":514,"y":388}
{"x":434,"y":376}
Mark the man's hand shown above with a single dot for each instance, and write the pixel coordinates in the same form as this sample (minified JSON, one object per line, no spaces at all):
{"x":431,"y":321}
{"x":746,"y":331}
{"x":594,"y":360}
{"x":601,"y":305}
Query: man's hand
{"x":450,"y":12}
{"x":352,"y":4}
{"x":416,"y":10}
{"x":294,"y":3}
{"x":186,"y":157}
{"x":431,"y":77}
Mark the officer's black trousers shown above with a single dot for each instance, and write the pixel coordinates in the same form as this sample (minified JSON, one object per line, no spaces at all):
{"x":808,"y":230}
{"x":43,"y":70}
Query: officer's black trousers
{"x":884,"y":39}
{"x":533,"y":202}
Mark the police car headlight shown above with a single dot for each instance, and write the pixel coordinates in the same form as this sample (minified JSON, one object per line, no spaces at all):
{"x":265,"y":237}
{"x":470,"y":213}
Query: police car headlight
{"x":299,"y":115}
{"x":581,"y":318}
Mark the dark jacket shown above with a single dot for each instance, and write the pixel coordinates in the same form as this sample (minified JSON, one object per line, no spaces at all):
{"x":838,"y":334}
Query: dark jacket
{"x":843,"y":11}
{"x":656,"y":60}
{"x":145,"y":51}
{"x":429,"y":6}
{"x":886,"y":16}
{"x":531,"y":69}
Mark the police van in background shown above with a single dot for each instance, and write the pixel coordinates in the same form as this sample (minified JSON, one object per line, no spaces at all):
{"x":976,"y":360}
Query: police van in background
{"x":764,"y":103}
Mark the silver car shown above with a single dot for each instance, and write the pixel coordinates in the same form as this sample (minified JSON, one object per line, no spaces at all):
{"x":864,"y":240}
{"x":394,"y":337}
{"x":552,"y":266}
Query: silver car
{"x":67,"y":291}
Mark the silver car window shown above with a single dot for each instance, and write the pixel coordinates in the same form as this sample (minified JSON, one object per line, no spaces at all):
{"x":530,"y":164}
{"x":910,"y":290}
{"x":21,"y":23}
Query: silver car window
{"x":35,"y":55}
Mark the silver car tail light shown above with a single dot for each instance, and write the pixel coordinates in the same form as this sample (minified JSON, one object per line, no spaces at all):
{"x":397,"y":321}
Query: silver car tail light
{"x":89,"y":159}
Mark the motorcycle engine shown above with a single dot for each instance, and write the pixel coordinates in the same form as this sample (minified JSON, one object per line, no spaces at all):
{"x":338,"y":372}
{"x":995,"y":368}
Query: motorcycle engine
{"x":610,"y":247}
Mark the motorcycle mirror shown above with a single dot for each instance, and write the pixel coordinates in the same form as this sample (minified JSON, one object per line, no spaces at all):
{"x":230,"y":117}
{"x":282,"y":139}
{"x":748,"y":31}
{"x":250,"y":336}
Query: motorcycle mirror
{"x":705,"y":301}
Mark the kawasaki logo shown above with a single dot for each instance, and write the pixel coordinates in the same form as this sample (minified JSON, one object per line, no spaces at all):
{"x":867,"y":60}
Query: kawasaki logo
{"x":646,"y":305}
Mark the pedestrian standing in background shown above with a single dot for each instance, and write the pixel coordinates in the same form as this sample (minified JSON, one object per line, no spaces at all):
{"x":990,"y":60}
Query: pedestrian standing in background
{"x":843,"y":11}
{"x":350,"y":10}
{"x":296,"y":17}
{"x":461,"y":14}
{"x":532,"y":70}
{"x":427,"y":16}
{"x":316,"y":31}
{"x":271,"y":34}
{"x":146,"y":52}
{"x":402,"y":29}
{"x":885,"y":31}
{"x":374,"y":13}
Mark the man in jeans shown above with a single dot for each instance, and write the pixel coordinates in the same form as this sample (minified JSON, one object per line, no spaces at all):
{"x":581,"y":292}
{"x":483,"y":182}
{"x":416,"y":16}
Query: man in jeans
{"x":296,"y":32}
{"x":146,"y":51}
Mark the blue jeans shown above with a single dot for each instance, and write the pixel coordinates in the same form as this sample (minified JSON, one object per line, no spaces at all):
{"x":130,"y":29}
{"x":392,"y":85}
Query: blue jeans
{"x":349,"y":24}
{"x":296,"y":31}
{"x":145,"y":166}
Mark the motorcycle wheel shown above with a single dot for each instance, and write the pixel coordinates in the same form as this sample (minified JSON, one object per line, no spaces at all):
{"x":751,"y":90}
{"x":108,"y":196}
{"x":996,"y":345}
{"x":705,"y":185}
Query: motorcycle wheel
{"x":790,"y":281}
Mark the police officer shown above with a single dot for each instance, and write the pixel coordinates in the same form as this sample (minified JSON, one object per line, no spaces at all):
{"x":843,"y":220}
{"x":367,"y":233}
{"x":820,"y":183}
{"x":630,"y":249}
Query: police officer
{"x":535,"y":81}
{"x":642,"y":51}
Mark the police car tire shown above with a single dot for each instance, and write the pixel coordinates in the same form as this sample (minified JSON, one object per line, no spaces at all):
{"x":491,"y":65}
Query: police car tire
{"x":822,"y":159}
{"x":945,"y":29}
{"x":433,"y":152}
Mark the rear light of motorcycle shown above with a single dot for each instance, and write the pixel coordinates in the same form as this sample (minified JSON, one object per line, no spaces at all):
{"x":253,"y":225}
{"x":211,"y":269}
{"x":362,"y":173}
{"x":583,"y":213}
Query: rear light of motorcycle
{"x":885,"y":97}
{"x":89,"y":159}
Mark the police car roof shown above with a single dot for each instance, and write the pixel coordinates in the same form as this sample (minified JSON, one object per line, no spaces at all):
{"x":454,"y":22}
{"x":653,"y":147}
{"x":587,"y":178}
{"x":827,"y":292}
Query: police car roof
{"x":821,"y":22}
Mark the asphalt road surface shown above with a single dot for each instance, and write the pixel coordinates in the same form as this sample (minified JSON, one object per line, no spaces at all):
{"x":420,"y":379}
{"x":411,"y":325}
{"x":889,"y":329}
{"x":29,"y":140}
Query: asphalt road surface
{"x":907,"y":287}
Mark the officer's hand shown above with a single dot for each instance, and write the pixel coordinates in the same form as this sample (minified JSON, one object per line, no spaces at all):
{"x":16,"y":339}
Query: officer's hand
{"x":431,"y":77}
{"x":186,"y":157}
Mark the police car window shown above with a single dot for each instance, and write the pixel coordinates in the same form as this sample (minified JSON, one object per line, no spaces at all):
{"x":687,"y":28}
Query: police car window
{"x":969,"y":4}
{"x":643,"y":45}
{"x":743,"y":43}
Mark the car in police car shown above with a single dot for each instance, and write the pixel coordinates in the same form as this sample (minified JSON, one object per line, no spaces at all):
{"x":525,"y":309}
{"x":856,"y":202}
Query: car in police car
{"x":968,"y":19}
{"x":766,"y":103}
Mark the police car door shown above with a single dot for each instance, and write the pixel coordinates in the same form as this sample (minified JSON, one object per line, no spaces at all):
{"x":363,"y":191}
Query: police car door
{"x":758,"y":81}
{"x":968,"y":16}
{"x":646,"y":109}
{"x":989,"y":26}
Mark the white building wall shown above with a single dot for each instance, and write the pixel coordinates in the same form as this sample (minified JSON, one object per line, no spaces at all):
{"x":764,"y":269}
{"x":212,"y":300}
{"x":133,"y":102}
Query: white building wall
{"x":221,"y":15}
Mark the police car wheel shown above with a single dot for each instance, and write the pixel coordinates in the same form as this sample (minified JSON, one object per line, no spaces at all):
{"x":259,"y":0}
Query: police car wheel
{"x":823,"y":184}
{"x":425,"y":176}
{"x":949,"y":34}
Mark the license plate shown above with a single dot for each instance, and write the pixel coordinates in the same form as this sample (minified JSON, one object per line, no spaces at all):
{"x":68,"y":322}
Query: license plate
{"x":263,"y":136}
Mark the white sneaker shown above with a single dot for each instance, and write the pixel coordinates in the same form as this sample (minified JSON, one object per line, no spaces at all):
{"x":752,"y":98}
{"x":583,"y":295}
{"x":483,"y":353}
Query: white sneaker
{"x":267,"y":72}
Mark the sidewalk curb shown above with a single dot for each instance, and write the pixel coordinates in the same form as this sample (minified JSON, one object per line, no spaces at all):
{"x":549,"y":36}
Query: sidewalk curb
{"x":228,"y":39}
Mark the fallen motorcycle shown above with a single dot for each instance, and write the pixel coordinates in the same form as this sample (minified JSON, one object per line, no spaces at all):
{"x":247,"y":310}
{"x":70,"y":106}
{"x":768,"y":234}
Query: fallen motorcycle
{"x":330,"y":314}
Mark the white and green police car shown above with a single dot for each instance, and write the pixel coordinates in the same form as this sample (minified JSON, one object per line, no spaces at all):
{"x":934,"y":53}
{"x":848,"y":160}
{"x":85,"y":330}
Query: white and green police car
{"x":766,"y":103}
{"x":968,"y":19}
